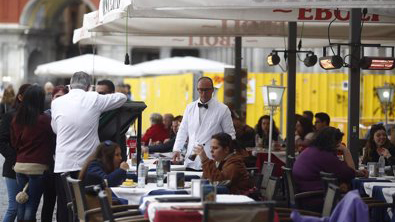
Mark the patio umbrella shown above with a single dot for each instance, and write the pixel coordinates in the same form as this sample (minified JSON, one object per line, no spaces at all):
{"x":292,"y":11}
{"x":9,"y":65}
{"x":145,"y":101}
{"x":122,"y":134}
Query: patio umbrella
{"x":89,"y":63}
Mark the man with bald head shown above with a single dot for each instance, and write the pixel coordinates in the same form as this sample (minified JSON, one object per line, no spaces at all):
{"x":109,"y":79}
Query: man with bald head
{"x":202,"y":119}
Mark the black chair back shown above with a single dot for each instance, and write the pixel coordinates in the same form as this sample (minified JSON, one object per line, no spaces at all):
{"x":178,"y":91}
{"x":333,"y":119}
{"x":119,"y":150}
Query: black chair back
{"x":328,"y":178}
{"x":267,"y":170}
{"x":234,"y":212}
{"x":325,"y":174}
{"x":331,"y":199}
{"x":289,"y":186}
{"x":105,"y":207}
{"x":78,"y":194}
{"x":71,"y":211}
{"x":271,"y":188}
{"x":290,"y":161}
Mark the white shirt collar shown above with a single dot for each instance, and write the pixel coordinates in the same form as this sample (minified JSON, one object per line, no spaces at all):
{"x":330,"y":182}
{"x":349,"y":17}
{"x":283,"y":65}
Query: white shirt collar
{"x":208,"y":102}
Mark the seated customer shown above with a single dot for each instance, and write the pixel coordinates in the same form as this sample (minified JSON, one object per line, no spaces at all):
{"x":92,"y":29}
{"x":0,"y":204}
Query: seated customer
{"x":245,"y":135}
{"x":168,"y":144}
{"x":157,"y":133}
{"x":262,"y":133}
{"x":226,"y":164}
{"x":168,"y":119}
{"x":105,"y":163}
{"x":378,"y":145}
{"x":321,"y":156}
{"x":304,"y":133}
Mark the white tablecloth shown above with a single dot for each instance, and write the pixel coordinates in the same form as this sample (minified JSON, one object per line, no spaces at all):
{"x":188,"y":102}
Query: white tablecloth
{"x":133,"y":195}
{"x":221,"y":198}
{"x":369,"y":186}
{"x":151,"y":165}
{"x":388,"y":192}
{"x":152,"y":174}
{"x":279,"y":154}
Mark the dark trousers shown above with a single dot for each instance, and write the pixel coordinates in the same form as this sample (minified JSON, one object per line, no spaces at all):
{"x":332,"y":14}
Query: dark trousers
{"x":61,"y":211}
{"x":49,"y":197}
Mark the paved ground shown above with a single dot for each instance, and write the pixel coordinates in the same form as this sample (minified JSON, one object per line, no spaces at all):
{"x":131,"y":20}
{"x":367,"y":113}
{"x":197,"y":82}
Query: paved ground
{"x":4,"y":198}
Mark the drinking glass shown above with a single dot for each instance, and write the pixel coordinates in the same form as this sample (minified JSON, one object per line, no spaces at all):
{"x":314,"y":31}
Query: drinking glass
{"x":145,"y":152}
{"x":372,"y":168}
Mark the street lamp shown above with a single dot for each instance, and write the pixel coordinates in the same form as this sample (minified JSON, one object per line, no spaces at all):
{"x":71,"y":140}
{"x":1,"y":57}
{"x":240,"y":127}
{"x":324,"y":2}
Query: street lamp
{"x":272,"y":96}
{"x":386,"y":95}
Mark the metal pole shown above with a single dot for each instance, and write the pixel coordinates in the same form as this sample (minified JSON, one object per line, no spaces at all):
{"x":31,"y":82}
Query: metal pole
{"x":291,"y":94}
{"x":281,"y":106}
{"x":237,"y":76}
{"x":354,"y":82}
{"x":269,"y":155}
{"x":139,"y":124}
{"x":386,"y":115}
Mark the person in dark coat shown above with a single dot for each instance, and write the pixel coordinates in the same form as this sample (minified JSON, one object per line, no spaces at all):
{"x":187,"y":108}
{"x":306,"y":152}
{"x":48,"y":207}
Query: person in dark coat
{"x":321,"y":155}
{"x":49,"y":195}
{"x":9,"y":154}
{"x":168,"y":144}
{"x":378,"y":145}
{"x":105,"y":163}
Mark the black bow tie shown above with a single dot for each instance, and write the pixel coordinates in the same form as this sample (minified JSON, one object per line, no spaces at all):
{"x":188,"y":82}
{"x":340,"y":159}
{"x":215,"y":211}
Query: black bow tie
{"x":203,"y":105}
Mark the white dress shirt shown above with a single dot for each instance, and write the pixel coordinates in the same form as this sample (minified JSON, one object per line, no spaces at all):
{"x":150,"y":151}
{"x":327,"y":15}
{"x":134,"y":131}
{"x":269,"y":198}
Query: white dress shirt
{"x":75,"y":120}
{"x":199,"y":124}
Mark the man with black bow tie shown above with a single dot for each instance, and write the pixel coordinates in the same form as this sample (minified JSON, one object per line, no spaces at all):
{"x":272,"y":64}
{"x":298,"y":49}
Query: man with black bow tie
{"x":202,"y":119}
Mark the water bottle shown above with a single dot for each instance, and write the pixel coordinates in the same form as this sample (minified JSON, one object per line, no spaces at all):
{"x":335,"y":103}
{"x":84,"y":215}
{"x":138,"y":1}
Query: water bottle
{"x":381,"y":166}
{"x":141,"y":175}
{"x":159,"y":173}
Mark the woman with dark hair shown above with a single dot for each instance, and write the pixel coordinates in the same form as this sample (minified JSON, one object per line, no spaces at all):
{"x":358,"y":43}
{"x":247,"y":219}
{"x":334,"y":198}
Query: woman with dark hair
{"x":304,"y":133}
{"x":105,"y":164}
{"x":9,"y":154}
{"x":226,"y":164}
{"x":378,"y":145}
{"x":321,"y":155}
{"x":49,"y":195}
{"x":59,"y":91}
{"x":7,"y":100}
{"x":33,"y":139}
{"x":262,"y":132}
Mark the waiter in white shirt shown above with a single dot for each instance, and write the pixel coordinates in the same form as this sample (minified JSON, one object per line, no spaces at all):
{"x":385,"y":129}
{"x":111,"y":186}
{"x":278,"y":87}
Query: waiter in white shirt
{"x":202,"y":119}
{"x":75,"y":120}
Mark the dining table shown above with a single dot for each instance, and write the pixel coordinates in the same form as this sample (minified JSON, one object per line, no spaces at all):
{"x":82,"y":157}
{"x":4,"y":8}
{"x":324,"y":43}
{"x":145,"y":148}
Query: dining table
{"x":151,"y":163}
{"x":134,"y":194}
{"x":382,"y":190}
{"x":277,"y":157}
{"x":161,"y":212}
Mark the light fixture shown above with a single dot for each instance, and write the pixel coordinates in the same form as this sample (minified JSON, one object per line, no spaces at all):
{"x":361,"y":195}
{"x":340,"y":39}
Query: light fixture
{"x":273,"y":59}
{"x":367,"y":62}
{"x":272,"y":96}
{"x":331,"y":62}
{"x":377,"y":63}
{"x":310,"y":60}
{"x":386,"y":96}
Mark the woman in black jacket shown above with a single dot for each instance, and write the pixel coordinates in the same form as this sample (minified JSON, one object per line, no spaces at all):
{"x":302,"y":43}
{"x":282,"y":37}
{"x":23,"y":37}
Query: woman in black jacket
{"x":378,"y":145}
{"x":9,"y":154}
